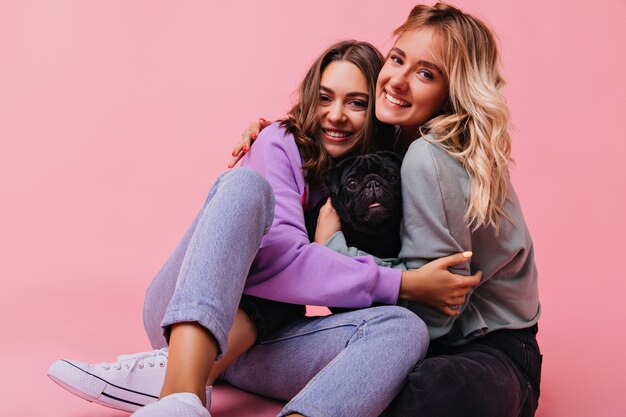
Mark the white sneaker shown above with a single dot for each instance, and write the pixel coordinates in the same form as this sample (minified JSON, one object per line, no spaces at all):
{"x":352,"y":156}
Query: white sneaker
{"x":184,"y":404}
{"x":127,"y":384}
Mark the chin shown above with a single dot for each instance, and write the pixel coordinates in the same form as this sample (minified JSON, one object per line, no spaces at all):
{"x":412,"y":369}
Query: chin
{"x":385,"y":116}
{"x":338,"y":152}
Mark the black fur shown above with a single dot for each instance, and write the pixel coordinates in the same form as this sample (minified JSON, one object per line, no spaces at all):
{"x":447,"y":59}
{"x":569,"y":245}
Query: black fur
{"x":365,"y":192}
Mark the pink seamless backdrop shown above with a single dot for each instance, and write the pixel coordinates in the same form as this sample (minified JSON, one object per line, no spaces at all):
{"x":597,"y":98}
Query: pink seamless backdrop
{"x":116,"y":117}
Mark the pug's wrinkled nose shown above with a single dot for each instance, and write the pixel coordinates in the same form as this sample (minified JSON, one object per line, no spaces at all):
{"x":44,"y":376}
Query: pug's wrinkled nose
{"x":372,"y":185}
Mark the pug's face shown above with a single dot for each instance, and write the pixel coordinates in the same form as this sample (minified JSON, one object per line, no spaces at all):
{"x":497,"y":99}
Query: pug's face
{"x":365,"y":191}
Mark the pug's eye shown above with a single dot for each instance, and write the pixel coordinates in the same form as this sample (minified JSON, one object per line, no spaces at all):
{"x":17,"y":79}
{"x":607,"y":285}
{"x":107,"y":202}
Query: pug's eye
{"x":392,"y":178}
{"x":351,"y":184}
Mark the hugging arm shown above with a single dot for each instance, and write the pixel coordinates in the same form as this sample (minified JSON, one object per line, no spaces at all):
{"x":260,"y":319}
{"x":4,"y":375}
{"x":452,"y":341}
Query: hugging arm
{"x":288,"y":267}
{"x":430,"y":284}
{"x":435,"y":224}
{"x":247,"y":138}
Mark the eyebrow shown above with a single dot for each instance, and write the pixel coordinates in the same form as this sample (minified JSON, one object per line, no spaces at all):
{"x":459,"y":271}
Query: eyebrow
{"x":421,"y":61}
{"x":351,"y":94}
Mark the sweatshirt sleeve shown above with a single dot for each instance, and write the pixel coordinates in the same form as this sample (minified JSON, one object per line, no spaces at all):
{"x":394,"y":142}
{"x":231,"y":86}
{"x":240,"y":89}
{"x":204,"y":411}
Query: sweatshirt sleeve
{"x":288,"y":267}
{"x":434,"y":225}
{"x":338,"y":243}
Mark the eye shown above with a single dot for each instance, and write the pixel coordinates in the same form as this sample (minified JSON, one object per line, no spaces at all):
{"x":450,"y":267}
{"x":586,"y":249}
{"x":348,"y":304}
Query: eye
{"x":359,"y":103}
{"x":324,"y":98}
{"x":392,"y":178}
{"x":426,"y":74}
{"x":351,"y":184}
{"x":396,"y":59}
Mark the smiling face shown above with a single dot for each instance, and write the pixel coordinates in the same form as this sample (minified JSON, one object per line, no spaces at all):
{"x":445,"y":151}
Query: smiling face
{"x":411,"y":86}
{"x":342,"y":108}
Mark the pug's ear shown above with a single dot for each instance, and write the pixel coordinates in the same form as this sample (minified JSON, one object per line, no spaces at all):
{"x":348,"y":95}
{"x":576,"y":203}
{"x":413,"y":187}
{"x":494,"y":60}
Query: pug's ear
{"x":392,"y":156}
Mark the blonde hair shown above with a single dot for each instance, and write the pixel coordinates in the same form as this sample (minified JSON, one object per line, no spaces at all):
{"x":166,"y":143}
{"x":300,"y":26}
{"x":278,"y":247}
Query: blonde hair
{"x":474,"y":126}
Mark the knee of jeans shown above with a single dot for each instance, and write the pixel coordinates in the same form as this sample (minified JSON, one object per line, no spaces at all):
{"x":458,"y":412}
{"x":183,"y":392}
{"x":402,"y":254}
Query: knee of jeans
{"x":248,"y":188}
{"x":244,"y":179}
{"x":412,"y":329}
{"x":436,"y":380}
{"x":470,"y":385}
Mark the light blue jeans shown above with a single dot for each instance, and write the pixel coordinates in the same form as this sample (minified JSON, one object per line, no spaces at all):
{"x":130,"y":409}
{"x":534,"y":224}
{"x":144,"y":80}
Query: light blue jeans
{"x":348,"y":364}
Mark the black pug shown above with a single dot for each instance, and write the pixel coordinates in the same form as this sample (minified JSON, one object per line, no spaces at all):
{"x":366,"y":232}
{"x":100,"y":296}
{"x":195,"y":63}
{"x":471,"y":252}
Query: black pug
{"x":365,"y":192}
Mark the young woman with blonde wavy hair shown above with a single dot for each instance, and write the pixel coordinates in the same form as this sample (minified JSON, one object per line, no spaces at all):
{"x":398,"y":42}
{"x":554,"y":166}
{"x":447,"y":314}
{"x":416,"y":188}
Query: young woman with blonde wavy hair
{"x":484,"y":359}
{"x":441,"y":86}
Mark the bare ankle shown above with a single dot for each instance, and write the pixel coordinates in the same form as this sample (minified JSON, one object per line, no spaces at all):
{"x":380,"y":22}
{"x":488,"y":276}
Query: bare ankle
{"x":191,"y":355}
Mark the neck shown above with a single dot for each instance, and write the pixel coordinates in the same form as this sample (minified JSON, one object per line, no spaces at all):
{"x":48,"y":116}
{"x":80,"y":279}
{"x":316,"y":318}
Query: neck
{"x":409,"y":133}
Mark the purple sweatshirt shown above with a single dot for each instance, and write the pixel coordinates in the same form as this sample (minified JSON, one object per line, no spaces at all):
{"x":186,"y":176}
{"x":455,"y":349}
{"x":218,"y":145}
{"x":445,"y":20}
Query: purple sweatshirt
{"x":288,"y":267}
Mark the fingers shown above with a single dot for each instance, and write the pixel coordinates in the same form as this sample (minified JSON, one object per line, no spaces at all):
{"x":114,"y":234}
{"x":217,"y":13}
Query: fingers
{"x":247,"y":137}
{"x":455,"y":301}
{"x":451,"y":311}
{"x":246,"y":141}
{"x":252,"y":133}
{"x":238,"y":153}
{"x":455,"y":259}
{"x":474,"y":280}
{"x":327,"y":208}
{"x":233,"y":161}
{"x":264,"y":123}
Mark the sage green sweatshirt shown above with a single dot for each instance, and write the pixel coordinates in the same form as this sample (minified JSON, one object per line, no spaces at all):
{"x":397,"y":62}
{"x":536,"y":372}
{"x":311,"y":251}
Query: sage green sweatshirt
{"x":435,"y":193}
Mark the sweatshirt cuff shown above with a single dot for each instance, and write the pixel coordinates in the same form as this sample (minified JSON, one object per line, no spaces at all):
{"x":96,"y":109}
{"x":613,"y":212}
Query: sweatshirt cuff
{"x":337,"y":242}
{"x":387,"y":288}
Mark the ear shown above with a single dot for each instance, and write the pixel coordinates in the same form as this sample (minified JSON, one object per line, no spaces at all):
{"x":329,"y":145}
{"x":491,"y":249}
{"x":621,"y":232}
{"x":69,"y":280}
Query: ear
{"x":392,"y":156}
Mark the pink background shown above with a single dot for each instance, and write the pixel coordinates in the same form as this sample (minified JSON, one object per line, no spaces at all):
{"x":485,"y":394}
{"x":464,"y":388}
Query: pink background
{"x":115,"y":118}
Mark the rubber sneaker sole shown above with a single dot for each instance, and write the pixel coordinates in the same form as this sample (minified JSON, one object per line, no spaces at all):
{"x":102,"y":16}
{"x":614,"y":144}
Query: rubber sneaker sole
{"x":92,"y":388}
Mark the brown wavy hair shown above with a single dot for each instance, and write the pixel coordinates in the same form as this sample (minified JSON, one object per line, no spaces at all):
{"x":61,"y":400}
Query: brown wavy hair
{"x":302,"y":120}
{"x":474,"y":127}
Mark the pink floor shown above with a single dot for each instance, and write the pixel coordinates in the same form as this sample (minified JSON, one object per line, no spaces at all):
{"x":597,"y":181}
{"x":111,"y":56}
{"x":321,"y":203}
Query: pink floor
{"x":88,"y":324}
{"x":83,"y":325}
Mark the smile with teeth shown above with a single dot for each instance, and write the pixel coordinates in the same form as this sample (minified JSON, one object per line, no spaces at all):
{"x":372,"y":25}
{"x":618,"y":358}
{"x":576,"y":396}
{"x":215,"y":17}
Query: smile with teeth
{"x":396,"y":100}
{"x":337,"y":134}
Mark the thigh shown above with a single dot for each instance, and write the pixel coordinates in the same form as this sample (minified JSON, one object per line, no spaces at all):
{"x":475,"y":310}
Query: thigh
{"x":521,"y":347}
{"x":477,"y":380}
{"x":352,"y":348}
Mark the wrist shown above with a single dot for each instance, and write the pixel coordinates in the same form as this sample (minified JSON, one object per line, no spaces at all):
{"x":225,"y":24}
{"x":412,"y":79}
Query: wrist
{"x":411,"y":288}
{"x":405,"y":282}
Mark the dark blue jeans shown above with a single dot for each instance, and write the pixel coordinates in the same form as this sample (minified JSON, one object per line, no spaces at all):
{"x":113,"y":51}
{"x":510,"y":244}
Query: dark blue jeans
{"x":497,"y":375}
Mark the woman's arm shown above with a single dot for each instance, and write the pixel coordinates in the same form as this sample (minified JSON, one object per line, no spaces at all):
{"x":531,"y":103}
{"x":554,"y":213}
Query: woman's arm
{"x":432,"y":284}
{"x":288,"y":267}
{"x":435,"y":193}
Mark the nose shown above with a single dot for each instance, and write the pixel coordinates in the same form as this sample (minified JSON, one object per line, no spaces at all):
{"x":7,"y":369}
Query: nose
{"x":336,"y":113}
{"x":398,"y":81}
{"x":372,"y":185}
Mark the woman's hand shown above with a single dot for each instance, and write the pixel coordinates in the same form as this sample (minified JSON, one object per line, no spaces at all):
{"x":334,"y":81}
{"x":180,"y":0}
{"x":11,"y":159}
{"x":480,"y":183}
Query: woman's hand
{"x":247,"y":137}
{"x":327,"y":223}
{"x":436,"y":287}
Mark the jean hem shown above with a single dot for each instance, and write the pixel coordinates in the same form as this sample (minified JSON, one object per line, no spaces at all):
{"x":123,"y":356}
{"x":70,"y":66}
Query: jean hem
{"x":204,"y":318}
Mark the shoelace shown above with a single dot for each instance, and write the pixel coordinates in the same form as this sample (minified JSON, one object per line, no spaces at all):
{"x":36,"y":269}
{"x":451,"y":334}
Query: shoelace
{"x":152,"y":358}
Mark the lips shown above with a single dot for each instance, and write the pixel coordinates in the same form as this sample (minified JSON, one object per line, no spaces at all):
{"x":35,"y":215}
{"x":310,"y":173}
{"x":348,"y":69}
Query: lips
{"x":336,"y":135}
{"x":390,"y":98}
